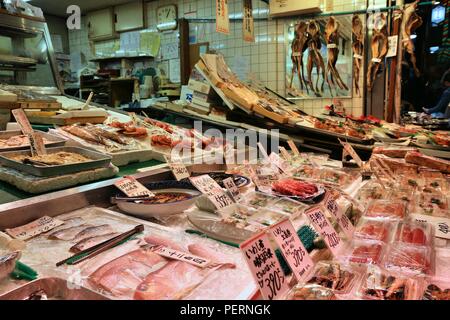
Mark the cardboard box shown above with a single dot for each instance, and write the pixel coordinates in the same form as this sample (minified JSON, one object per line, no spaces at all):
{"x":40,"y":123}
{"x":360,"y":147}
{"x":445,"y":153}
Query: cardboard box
{"x":199,"y":86}
{"x":279,"y":8}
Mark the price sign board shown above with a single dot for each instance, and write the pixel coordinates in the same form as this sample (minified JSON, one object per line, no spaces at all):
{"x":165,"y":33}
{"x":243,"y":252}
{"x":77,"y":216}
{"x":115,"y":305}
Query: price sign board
{"x":352,"y":153}
{"x":292,"y":248}
{"x":293,"y":147}
{"x":34,"y":228}
{"x":233,"y":189}
{"x":247,"y":23}
{"x":285,"y":153}
{"x":222,"y":17}
{"x":36,"y":142}
{"x":264,"y":266}
{"x":206,"y":185}
{"x":181,"y":256}
{"x":179,"y":170}
{"x":325,"y":229}
{"x":279,"y":163}
{"x":343,"y":221}
{"x":133,"y":188}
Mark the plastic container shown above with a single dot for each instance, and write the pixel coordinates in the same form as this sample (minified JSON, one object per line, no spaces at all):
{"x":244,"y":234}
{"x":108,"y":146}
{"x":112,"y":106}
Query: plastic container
{"x":437,"y":290}
{"x":366,"y":252}
{"x":338,"y":177}
{"x":258,"y":199}
{"x":394,"y":210}
{"x":380,"y":284}
{"x":288,"y":206}
{"x":401,"y":194}
{"x":431,"y":204}
{"x":373,"y":229}
{"x":408,"y":259}
{"x":338,"y":277}
{"x":304,"y":172}
{"x":371,"y":191}
{"x":414,"y":233}
{"x":310,"y":292}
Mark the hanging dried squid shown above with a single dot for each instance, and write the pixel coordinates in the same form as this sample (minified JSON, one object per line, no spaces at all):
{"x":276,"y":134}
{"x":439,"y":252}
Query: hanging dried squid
{"x":379,"y":48}
{"x":411,"y":21}
{"x":299,"y":46}
{"x":358,"y":50}
{"x":314,"y":56}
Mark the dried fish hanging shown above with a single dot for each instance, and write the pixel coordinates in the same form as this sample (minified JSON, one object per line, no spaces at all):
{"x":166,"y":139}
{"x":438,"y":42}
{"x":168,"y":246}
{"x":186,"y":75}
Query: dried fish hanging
{"x":332,"y":41}
{"x":379,"y":48}
{"x":411,"y":21}
{"x":299,"y":46}
{"x":314,"y":57}
{"x":358,"y":50}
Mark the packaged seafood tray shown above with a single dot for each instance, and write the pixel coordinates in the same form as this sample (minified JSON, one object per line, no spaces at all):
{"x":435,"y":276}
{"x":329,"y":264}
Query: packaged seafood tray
{"x":298,"y":190}
{"x":374,"y":229}
{"x":411,"y":181}
{"x":401,"y":194}
{"x":133,"y":270}
{"x":370,"y":191}
{"x":435,"y":184}
{"x":309,"y":292}
{"x":258,"y":199}
{"x":14,"y":140}
{"x":381,"y":284}
{"x":333,"y":275}
{"x":365,"y":252}
{"x":437,"y":290}
{"x":414,"y":233}
{"x":408,"y":259}
{"x":304,"y":172}
{"x":342,"y":178}
{"x":393,"y":210}
{"x":287,"y":206}
{"x":93,"y":159}
{"x":431,"y":204}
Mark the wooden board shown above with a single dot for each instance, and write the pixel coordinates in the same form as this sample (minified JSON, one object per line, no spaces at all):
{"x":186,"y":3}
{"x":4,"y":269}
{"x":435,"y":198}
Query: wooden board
{"x":61,"y":121}
{"x":271,"y":115}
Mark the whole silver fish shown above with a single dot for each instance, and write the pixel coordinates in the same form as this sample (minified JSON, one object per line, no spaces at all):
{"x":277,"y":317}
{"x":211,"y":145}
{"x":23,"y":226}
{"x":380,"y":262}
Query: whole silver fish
{"x":94,"y":231}
{"x":8,"y":263}
{"x":68,"y":233}
{"x":92,"y":241}
{"x":68,"y":223}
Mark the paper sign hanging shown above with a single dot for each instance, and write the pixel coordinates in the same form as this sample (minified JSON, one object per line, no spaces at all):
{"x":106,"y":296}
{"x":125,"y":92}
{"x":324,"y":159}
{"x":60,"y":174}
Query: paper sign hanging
{"x":247,"y":23}
{"x":206,"y":185}
{"x":132,"y":188}
{"x":222,"y":18}
{"x":292,"y":248}
{"x":343,"y":221}
{"x":325,"y":229}
{"x":393,"y":45}
{"x":264,"y":266}
{"x":232,"y":189}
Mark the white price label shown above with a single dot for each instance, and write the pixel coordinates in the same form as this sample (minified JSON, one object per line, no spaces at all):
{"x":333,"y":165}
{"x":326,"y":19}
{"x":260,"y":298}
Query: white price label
{"x":181,"y":256}
{"x":393,"y":45}
{"x":233,"y":189}
{"x":344,"y":222}
{"x":133,"y":188}
{"x":352,"y":153}
{"x":206,"y":185}
{"x":34,"y":228}
{"x":279,"y":163}
{"x":179,"y":170}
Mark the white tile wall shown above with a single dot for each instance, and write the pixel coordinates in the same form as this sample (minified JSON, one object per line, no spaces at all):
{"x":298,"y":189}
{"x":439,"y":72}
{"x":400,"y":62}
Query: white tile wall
{"x":266,"y":57}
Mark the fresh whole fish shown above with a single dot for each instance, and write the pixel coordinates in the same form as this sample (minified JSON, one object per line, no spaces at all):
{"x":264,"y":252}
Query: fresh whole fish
{"x":83,"y":134}
{"x":68,"y":223}
{"x":8,"y":263}
{"x":68,"y":233}
{"x":93,"y":231}
{"x":105,"y":133}
{"x":92,"y":241}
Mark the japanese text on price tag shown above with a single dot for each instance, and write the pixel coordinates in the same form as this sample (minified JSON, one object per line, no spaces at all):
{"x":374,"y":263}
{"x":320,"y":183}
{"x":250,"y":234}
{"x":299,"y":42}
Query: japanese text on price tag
{"x":352,"y":153}
{"x":179,"y":170}
{"x":293,"y":147}
{"x":343,"y":221}
{"x":222,"y":17}
{"x":34,"y":228}
{"x":36,"y":141}
{"x":181,"y":256}
{"x":232,"y":189}
{"x":292,"y":248}
{"x":264,"y":265}
{"x":279,"y":163}
{"x":325,"y":229}
{"x":206,"y":185}
{"x":285,"y":153}
{"x":133,"y":188}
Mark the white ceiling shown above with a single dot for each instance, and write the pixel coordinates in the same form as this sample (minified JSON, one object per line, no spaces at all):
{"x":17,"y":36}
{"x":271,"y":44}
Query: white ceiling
{"x":58,"y":8}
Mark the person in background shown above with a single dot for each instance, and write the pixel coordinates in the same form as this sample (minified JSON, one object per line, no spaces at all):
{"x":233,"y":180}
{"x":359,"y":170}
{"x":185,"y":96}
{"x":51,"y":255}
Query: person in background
{"x":442,"y":108}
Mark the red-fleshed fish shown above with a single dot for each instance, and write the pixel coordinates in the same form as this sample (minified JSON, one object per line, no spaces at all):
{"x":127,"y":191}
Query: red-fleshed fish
{"x":68,"y":233}
{"x":8,"y":263}
{"x":92,"y":241}
{"x":94,"y":231}
{"x":122,"y":275}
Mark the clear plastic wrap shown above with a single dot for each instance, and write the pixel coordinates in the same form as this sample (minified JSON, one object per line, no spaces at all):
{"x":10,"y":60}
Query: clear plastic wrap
{"x":288,"y":206}
{"x":370,"y":191}
{"x":365,"y":252}
{"x":408,"y":259}
{"x":380,"y":284}
{"x":401,"y":194}
{"x":394,"y":210}
{"x":337,"y":276}
{"x":437,"y":290}
{"x":431,"y":204}
{"x":310,"y":292}
{"x":342,"y":178}
{"x":414,"y":233}
{"x":373,"y":229}
{"x":304,"y":172}
{"x":258,"y":199}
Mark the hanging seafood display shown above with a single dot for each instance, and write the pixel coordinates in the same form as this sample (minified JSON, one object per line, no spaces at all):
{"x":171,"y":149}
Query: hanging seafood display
{"x":411,"y":21}
{"x":358,"y":50}
{"x":315,"y":58}
{"x":299,"y":46}
{"x":332,"y":42}
{"x":379,"y":48}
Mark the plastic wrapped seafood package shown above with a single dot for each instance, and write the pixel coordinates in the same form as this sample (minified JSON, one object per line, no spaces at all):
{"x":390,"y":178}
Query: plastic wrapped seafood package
{"x":342,"y":178}
{"x":374,"y":229}
{"x":412,"y":181}
{"x":414,"y":233}
{"x":430,"y":204}
{"x":381,"y":284}
{"x":287,"y":206}
{"x":370,"y":191}
{"x":309,"y":292}
{"x":258,"y":199}
{"x":392,"y":210}
{"x":400,"y":193}
{"x":437,"y":290}
{"x":304,"y":172}
{"x":364,"y":252}
{"x":408,"y":259}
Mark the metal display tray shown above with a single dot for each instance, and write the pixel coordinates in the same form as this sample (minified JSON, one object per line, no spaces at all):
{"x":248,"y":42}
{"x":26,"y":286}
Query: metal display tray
{"x":54,"y":289}
{"x":98,"y":160}
{"x":54,"y":141}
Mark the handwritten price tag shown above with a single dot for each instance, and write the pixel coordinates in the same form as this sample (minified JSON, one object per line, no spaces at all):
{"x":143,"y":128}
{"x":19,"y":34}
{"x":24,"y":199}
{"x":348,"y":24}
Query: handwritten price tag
{"x":292,"y":248}
{"x":181,"y":256}
{"x":279,"y":163}
{"x":206,"y":185}
{"x":293,"y":147}
{"x":179,"y":170}
{"x":133,"y":188}
{"x":233,"y":189}
{"x":36,"y":142}
{"x":285,"y":153}
{"x":222,"y":17}
{"x":34,"y":228}
{"x":325,"y":229}
{"x":264,"y":265}
{"x":352,"y":153}
{"x":343,"y":221}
